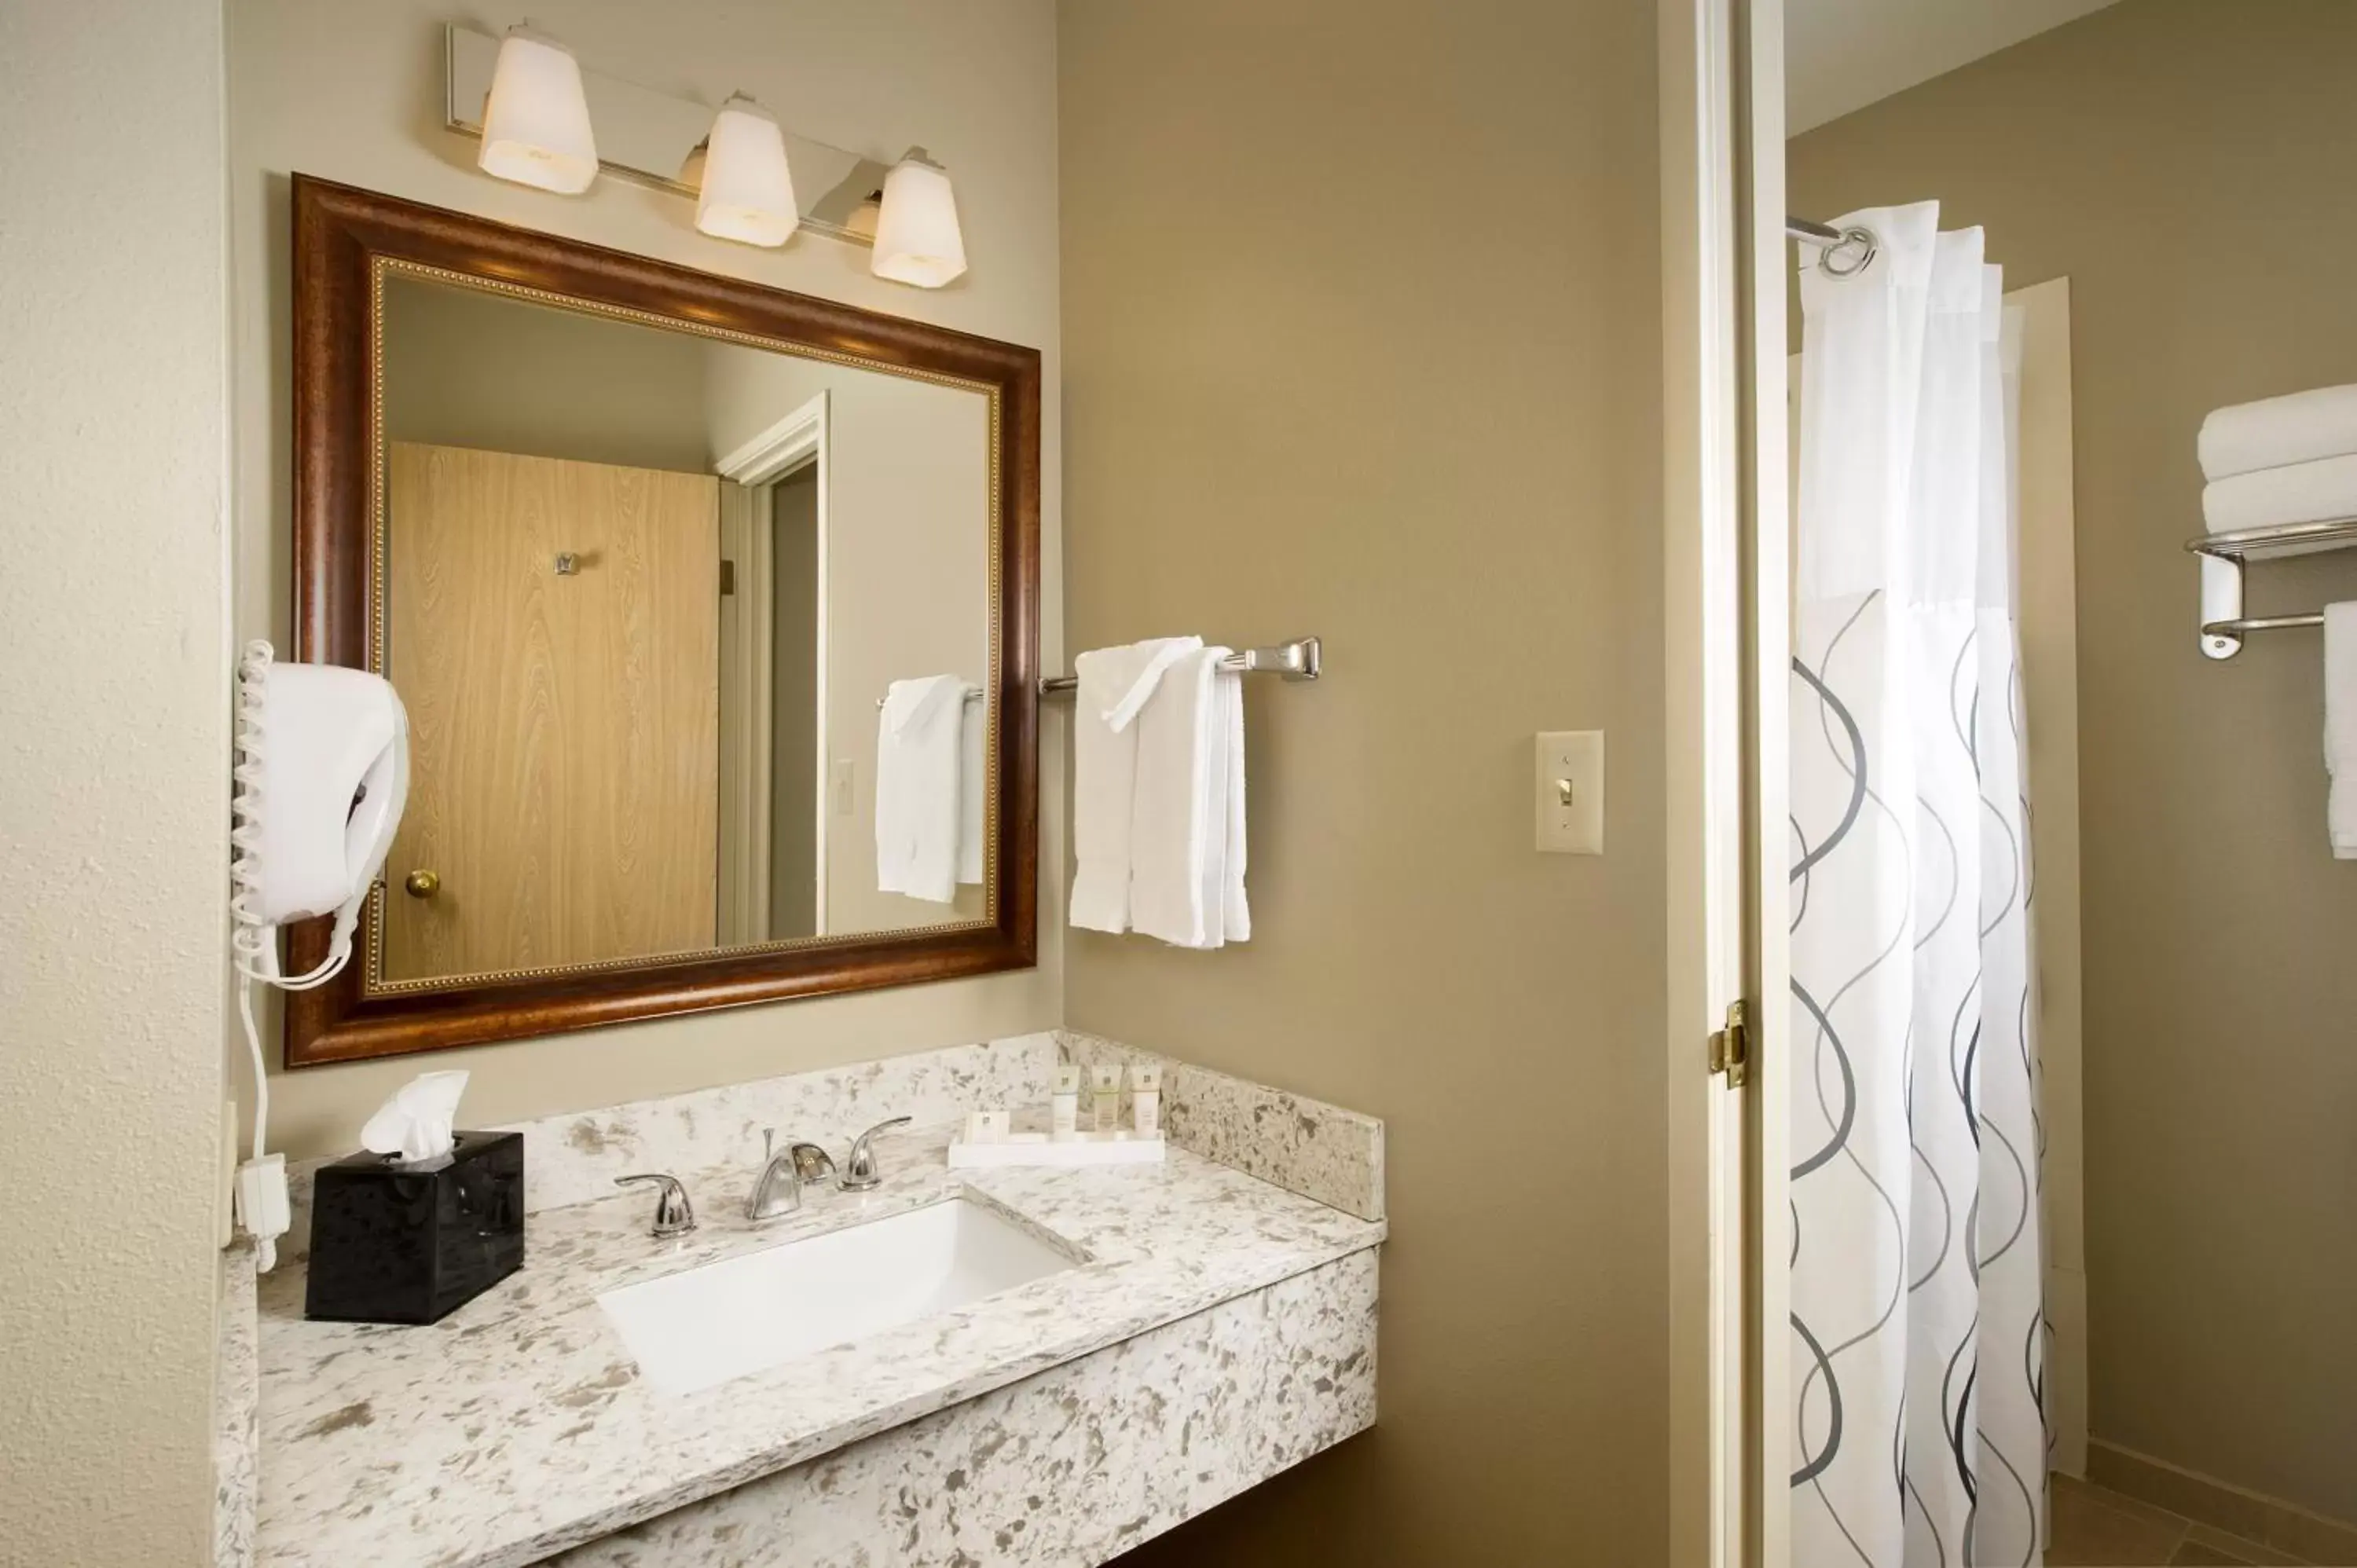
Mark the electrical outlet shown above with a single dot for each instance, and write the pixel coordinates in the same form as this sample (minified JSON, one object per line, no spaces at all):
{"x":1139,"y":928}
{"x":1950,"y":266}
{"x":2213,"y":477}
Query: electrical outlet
{"x":1568,"y":782}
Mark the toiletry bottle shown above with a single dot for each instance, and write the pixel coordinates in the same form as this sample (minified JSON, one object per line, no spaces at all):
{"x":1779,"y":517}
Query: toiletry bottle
{"x":1106,"y":1080}
{"x":1145,"y":1099}
{"x":1064,"y":1105}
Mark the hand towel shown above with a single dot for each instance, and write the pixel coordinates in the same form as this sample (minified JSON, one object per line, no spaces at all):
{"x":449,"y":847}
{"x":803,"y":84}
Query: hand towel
{"x":1228,"y":688}
{"x":2340,"y":727}
{"x":1187,"y":853}
{"x":1114,"y":685}
{"x":2303,"y":492}
{"x":918,"y":736}
{"x":2277,"y":432}
{"x":973,"y":782}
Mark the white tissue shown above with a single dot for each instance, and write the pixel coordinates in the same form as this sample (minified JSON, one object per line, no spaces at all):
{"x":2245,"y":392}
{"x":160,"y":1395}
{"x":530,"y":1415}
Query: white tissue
{"x":415,"y":1122}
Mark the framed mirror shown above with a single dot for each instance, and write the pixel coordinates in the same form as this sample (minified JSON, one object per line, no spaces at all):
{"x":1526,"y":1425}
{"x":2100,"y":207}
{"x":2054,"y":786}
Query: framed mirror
{"x":643,"y":549}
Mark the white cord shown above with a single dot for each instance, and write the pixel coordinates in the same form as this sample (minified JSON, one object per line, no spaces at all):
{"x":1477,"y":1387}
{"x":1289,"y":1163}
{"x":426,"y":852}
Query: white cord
{"x":254,"y":944}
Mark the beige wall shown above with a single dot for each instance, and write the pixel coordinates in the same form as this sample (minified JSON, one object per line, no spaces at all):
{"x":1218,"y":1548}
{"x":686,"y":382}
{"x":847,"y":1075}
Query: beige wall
{"x":2187,"y":164}
{"x":115,"y":782}
{"x":468,"y":368}
{"x":351,"y":89}
{"x":1361,"y":306}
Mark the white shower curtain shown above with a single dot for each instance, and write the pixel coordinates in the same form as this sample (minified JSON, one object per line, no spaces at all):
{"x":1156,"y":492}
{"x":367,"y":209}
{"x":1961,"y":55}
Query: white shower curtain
{"x":1918,"y":1331}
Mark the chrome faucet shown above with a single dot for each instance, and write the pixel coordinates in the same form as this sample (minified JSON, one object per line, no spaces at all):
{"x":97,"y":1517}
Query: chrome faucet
{"x":859,"y":1172}
{"x":780,"y":1190}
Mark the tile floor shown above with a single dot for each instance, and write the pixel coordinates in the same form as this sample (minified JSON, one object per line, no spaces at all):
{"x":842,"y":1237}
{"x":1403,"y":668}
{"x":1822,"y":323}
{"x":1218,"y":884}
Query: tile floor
{"x":2094,"y":1527}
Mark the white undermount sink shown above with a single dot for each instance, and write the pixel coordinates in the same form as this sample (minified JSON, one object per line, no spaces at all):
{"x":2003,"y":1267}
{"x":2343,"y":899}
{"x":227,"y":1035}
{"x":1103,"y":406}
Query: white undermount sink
{"x":704,"y":1325}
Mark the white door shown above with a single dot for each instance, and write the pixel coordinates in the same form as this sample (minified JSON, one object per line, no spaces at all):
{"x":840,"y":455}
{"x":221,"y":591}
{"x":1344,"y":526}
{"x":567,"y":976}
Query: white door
{"x":1725,"y":657}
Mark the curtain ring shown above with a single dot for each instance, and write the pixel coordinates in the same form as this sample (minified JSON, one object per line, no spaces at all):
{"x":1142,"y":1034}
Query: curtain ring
{"x":1860,"y":241}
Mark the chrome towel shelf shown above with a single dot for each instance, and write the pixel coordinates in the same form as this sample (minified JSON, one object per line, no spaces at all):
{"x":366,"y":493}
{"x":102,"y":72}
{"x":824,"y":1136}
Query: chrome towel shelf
{"x":2223,"y":556}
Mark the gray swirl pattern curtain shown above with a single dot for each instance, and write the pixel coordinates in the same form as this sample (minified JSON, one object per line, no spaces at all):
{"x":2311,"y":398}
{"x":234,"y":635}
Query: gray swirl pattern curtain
{"x":1918,"y":1332}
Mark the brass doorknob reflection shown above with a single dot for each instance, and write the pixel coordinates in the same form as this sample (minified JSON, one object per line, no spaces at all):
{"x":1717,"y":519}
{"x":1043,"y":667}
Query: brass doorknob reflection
{"x":422,"y":884}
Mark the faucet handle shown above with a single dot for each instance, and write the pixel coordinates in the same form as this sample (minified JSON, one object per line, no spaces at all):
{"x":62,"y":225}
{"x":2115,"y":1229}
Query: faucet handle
{"x":675,"y":1215}
{"x":859,"y":1172}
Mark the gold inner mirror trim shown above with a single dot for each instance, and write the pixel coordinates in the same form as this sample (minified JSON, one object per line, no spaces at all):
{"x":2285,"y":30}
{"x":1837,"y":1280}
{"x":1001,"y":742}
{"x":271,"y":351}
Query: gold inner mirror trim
{"x":373,"y":980}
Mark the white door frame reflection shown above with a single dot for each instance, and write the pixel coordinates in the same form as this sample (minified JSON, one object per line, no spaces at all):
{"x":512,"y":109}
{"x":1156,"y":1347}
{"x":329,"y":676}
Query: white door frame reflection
{"x":796,"y":443}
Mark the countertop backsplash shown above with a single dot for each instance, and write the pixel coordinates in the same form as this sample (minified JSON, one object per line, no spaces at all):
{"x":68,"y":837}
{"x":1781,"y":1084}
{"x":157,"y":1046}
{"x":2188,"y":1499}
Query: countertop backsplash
{"x":574,"y":1157}
{"x":1303,"y":1145}
{"x":1307,"y":1147}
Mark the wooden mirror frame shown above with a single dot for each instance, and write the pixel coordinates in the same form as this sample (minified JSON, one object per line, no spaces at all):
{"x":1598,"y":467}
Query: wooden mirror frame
{"x":345,"y":241}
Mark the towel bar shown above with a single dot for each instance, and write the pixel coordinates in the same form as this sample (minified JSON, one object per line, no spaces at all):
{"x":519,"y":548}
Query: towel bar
{"x":1297,"y":660}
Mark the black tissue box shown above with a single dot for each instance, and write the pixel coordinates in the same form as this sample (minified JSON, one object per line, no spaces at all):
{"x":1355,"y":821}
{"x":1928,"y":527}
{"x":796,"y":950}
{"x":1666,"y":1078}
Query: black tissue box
{"x":396,"y":1243}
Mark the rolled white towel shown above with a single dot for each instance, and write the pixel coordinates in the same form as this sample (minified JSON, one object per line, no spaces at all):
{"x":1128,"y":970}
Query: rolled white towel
{"x":2271,"y":497}
{"x":2277,"y":432}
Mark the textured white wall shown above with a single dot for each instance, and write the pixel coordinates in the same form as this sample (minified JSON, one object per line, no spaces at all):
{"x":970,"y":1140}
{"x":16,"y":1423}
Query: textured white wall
{"x":114,"y":775}
{"x":351,"y":91}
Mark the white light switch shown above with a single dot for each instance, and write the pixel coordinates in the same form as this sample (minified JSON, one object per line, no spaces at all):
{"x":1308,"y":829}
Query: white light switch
{"x":1569,"y":781}
{"x":844,"y":785}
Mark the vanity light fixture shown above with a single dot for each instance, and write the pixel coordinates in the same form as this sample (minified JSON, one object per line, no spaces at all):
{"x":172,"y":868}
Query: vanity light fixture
{"x":917,"y":237}
{"x":530,"y":101}
{"x":747,"y":193}
{"x":536,"y":121}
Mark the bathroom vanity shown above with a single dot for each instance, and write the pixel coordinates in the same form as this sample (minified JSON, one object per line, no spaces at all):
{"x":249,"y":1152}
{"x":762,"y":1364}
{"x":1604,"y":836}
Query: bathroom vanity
{"x":1179,"y":1332}
{"x":648,"y":653}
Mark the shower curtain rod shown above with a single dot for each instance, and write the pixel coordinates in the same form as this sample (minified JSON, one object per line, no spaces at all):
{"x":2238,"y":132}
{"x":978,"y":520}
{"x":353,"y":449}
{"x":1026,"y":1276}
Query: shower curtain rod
{"x":1835,"y":243}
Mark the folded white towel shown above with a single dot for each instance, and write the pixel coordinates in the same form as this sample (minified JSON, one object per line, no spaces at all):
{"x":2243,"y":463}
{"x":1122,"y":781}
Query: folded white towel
{"x":1229,"y":690}
{"x":2302,"y":493}
{"x":1115,"y":684}
{"x":917,"y":738}
{"x":2277,"y":432}
{"x":2340,"y":727}
{"x":1186,"y":843}
{"x":973,"y":782}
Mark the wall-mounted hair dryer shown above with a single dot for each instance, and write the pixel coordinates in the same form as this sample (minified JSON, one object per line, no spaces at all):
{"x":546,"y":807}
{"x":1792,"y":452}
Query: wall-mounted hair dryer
{"x":322,"y":774}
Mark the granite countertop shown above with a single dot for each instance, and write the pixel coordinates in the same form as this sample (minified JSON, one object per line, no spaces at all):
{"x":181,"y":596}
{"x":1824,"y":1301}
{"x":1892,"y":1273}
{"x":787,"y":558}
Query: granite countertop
{"x":518,"y":1425}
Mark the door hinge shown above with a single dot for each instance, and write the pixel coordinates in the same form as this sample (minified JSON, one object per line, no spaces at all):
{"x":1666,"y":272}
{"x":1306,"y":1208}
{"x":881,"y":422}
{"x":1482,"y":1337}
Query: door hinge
{"x":1731,"y":1049}
{"x":727,"y":577}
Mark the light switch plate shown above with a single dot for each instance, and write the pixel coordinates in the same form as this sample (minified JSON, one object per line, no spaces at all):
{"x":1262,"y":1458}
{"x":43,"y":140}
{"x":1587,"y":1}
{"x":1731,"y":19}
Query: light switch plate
{"x":1568,"y":785}
{"x":842,"y":786}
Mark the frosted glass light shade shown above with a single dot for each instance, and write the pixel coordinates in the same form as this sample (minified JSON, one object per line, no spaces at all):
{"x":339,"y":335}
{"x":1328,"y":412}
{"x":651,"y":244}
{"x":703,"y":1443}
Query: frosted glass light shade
{"x":917,"y":237}
{"x":747,"y":193}
{"x":536,"y":121}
